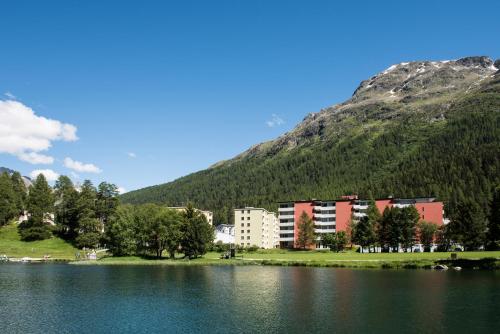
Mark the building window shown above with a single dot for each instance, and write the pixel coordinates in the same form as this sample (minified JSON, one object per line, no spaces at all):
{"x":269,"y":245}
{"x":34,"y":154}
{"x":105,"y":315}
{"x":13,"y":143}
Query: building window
{"x":248,"y":218}
{"x":248,"y":224}
{"x":248,"y":231}
{"x":242,"y":211}
{"x":242,"y":224}
{"x":248,"y":237}
{"x":242,"y":218}
{"x":242,"y":238}
{"x":248,"y":211}
{"x":242,"y":231}
{"x":248,"y":244}
{"x":243,"y":244}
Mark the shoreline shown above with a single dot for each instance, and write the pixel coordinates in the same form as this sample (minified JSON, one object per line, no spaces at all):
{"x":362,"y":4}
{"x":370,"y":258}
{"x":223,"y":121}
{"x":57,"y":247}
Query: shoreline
{"x":489,"y":260}
{"x":468,"y":264}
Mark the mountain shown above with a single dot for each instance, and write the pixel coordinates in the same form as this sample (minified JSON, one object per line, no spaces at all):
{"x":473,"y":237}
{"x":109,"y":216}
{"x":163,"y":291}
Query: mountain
{"x":26,"y":180}
{"x":424,"y":128}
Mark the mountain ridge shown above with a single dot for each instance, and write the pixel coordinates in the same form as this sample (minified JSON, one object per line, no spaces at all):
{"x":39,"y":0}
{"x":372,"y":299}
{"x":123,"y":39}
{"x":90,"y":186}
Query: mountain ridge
{"x":357,"y":145}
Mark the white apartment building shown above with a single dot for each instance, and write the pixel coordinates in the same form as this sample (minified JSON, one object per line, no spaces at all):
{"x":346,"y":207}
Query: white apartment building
{"x":256,"y":227}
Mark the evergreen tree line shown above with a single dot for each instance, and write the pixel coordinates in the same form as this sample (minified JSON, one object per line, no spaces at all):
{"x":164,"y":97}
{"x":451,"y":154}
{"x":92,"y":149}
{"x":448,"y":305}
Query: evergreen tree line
{"x":79,"y":215}
{"x":93,"y":217}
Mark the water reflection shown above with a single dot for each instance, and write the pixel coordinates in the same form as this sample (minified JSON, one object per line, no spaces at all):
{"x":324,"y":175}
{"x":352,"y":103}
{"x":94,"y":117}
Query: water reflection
{"x":63,"y":298}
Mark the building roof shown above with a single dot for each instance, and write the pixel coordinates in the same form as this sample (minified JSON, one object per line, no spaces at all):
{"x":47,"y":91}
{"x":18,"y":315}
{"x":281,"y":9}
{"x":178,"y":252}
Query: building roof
{"x":416,"y":199}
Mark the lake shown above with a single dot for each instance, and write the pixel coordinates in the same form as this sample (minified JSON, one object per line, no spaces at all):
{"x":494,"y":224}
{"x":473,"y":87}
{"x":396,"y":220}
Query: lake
{"x":61,"y":298}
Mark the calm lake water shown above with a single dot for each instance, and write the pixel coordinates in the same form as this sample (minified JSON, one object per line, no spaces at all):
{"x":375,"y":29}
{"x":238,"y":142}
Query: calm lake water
{"x":59,"y":298}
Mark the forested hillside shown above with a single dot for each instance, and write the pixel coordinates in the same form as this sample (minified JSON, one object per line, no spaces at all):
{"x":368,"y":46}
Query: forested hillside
{"x":416,"y":129}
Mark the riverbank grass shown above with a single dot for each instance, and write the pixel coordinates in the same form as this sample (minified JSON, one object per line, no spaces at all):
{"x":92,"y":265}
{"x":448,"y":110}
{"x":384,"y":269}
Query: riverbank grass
{"x":488,"y":260}
{"x":12,"y":246}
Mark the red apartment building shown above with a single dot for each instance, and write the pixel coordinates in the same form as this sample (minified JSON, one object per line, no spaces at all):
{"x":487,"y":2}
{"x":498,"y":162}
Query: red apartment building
{"x":334,"y":215}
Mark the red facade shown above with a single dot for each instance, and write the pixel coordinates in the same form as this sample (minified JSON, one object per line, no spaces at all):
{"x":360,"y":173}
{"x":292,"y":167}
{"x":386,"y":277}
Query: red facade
{"x":429,"y":210}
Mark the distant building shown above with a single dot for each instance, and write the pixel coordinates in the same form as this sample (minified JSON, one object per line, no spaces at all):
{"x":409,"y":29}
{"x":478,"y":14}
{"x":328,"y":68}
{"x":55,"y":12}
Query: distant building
{"x":224,"y":233}
{"x":208,"y":214}
{"x":256,"y":227}
{"x":335,"y":215}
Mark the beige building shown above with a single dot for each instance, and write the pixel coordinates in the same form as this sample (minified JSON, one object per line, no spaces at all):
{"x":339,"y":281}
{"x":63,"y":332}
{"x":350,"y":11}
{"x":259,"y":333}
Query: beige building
{"x":208,"y":214}
{"x":256,"y":227}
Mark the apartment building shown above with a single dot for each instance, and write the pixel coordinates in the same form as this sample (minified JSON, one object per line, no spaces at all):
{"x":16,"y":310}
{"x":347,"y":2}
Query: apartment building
{"x":256,"y":227}
{"x":208,"y":214}
{"x":335,"y":215}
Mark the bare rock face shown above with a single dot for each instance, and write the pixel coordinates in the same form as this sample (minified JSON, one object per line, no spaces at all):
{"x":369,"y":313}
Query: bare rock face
{"x":425,"y":87}
{"x":480,"y":61}
{"x":424,"y":79}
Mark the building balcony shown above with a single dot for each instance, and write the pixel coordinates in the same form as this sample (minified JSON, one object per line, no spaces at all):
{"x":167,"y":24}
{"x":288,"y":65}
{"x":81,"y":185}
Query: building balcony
{"x":324,"y":215}
{"x":359,"y":214}
{"x":286,"y":239}
{"x":319,"y":223}
{"x":321,"y":231}
{"x":286,"y":217}
{"x":285,"y":209}
{"x":287,"y":224}
{"x":398,"y":205}
{"x":359,"y":207}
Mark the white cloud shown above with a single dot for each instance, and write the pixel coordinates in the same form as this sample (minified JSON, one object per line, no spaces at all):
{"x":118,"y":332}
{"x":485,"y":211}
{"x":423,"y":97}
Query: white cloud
{"x":49,"y":174}
{"x":10,"y":95}
{"x":25,"y":135}
{"x":36,"y":158}
{"x":80,"y":166}
{"x":275,"y":121}
{"x":132,"y":155}
{"x":121,"y":190}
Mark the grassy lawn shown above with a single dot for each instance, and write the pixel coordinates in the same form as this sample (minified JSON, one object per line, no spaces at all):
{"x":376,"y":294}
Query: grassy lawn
{"x":285,"y":255}
{"x":310,"y":258}
{"x":12,"y":246}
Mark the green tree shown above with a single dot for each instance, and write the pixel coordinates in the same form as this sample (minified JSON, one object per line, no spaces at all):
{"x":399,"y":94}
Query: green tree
{"x":40,"y":200}
{"x":89,"y":226}
{"x":468,"y":225}
{"x":335,"y":241}
{"x":427,"y":234}
{"x":8,"y":200}
{"x":106,"y":201}
{"x":143,"y":218}
{"x":383,"y":229}
{"x":306,"y":236}
{"x":40,"y":205}
{"x":165,"y":233}
{"x":363,"y":233}
{"x":197,"y":234}
{"x":373,"y":213}
{"x":120,"y":233}
{"x":443,"y":238}
{"x":20,"y":191}
{"x":408,"y":219}
{"x":89,"y":234}
{"x":493,"y":235}
{"x":66,"y":209}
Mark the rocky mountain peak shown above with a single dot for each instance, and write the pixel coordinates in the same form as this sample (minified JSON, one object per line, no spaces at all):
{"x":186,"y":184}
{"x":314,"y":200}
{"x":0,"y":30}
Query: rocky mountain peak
{"x":409,"y":80}
{"x":426,"y":87}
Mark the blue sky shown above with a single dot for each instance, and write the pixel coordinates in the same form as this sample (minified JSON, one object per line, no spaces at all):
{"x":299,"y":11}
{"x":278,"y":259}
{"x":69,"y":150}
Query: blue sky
{"x":184,"y":84}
